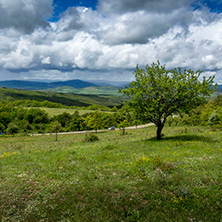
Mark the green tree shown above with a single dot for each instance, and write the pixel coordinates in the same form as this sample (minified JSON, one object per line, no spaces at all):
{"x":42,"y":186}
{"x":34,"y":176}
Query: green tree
{"x":213,"y":119}
{"x":123,"y":126}
{"x":55,"y":128}
{"x":36,"y":116}
{"x":2,"y":128}
{"x":158,"y":93}
{"x":75,"y":122}
{"x":64,"y":118}
{"x":12,"y":128}
{"x":5,"y":118}
{"x":94,"y":120}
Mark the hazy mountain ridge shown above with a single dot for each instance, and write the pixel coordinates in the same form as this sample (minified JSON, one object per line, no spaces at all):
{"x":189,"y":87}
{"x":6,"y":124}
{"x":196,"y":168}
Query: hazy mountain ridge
{"x":72,"y":86}
{"x":219,"y":88}
{"x":30,"y":85}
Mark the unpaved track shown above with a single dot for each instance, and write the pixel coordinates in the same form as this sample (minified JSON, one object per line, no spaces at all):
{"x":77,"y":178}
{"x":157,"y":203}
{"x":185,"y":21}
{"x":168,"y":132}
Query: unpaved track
{"x":103,"y":130}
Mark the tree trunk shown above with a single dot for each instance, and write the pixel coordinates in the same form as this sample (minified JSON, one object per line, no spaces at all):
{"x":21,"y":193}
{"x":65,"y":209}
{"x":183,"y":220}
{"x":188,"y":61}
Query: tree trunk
{"x":158,"y":132}
{"x":56,"y":137}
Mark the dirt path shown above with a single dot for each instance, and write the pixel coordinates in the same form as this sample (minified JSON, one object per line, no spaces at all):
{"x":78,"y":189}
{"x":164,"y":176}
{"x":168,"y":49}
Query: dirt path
{"x":103,"y":130}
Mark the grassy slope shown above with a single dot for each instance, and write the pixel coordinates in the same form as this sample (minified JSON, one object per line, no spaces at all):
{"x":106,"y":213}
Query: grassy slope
{"x":56,"y":111}
{"x":108,"y":90}
{"x":66,"y":99}
{"x":118,"y":178}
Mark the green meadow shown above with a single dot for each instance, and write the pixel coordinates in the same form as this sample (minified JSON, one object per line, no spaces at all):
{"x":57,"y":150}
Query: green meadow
{"x":118,"y":178}
{"x":57,"y":111}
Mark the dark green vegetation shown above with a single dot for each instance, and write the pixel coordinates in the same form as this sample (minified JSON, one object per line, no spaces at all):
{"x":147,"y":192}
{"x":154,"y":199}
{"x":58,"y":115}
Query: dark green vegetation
{"x":118,"y":178}
{"x":209,"y":114}
{"x":28,"y":85}
{"x":68,"y":99}
{"x":158,"y":93}
{"x":16,"y":118}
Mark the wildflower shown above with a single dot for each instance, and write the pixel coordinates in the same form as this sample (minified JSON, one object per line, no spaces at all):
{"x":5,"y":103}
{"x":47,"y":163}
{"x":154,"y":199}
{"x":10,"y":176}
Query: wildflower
{"x":175,"y":200}
{"x":145,"y":159}
{"x":5,"y":155}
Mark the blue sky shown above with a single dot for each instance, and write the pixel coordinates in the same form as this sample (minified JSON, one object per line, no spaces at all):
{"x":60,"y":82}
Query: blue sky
{"x":62,"y":5}
{"x":106,"y":39}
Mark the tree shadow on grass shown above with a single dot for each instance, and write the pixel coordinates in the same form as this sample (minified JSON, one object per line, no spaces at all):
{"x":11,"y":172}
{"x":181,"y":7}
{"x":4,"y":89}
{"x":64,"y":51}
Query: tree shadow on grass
{"x":185,"y":138}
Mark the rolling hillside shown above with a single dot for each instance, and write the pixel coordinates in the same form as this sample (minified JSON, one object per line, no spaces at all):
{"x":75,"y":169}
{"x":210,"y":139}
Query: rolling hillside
{"x":96,"y":90}
{"x":68,"y":99}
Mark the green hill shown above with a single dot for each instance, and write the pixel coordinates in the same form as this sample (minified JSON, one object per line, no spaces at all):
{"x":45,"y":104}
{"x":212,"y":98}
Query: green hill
{"x":96,"y":90}
{"x":68,"y":99}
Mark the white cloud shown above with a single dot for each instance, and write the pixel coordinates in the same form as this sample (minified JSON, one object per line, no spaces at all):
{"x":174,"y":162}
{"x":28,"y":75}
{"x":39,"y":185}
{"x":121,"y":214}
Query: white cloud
{"x":86,"y":44}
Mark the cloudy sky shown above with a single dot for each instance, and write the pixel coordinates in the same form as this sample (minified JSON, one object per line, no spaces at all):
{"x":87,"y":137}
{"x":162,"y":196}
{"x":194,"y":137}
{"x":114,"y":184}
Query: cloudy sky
{"x":106,"y":39}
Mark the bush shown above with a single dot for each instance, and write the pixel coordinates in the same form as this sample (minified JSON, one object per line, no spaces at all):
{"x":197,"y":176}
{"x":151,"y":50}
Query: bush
{"x":91,"y":138}
{"x":2,"y":128}
{"x":12,"y":128}
{"x":213,"y":119}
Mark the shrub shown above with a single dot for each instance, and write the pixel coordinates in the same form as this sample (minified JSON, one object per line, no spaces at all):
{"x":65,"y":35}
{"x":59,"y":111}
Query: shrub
{"x":12,"y":128}
{"x":213,"y":119}
{"x":2,"y":128}
{"x":91,"y":138}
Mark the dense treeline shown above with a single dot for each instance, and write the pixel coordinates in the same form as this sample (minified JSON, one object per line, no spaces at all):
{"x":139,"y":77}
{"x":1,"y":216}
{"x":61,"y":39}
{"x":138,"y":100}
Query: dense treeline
{"x":46,"y":103}
{"x":16,"y":117}
{"x":209,"y":114}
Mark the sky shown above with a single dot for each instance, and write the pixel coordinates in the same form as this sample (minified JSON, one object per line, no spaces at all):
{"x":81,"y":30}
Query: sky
{"x":105,"y":39}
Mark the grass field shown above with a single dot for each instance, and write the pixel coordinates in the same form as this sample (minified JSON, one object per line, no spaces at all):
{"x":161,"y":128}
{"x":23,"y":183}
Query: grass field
{"x":118,"y":178}
{"x":99,"y":90}
{"x":56,"y":111}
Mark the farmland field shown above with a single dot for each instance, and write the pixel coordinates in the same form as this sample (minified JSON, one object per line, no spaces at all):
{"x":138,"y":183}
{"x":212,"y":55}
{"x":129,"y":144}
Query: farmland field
{"x":118,"y":178}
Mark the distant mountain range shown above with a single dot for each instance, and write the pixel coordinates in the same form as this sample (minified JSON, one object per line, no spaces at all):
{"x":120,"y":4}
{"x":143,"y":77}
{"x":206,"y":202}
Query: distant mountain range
{"x":219,"y":88}
{"x":29,"y":85}
{"x":98,"y":87}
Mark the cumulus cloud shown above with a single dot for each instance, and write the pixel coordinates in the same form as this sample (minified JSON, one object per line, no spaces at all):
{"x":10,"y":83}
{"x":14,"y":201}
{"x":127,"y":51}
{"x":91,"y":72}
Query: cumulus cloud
{"x":108,"y":43}
{"x":24,"y":15}
{"x":116,"y":6}
{"x":140,"y":27}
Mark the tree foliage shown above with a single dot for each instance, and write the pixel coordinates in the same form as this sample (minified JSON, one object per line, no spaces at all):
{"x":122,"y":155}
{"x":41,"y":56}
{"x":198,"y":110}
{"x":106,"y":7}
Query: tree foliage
{"x":158,"y":93}
{"x":55,"y":128}
{"x":94,"y":120}
{"x":123,"y":126}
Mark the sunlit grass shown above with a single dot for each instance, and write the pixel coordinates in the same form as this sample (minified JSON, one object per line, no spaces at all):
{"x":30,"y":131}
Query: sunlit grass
{"x":56,"y":111}
{"x":118,"y":178}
